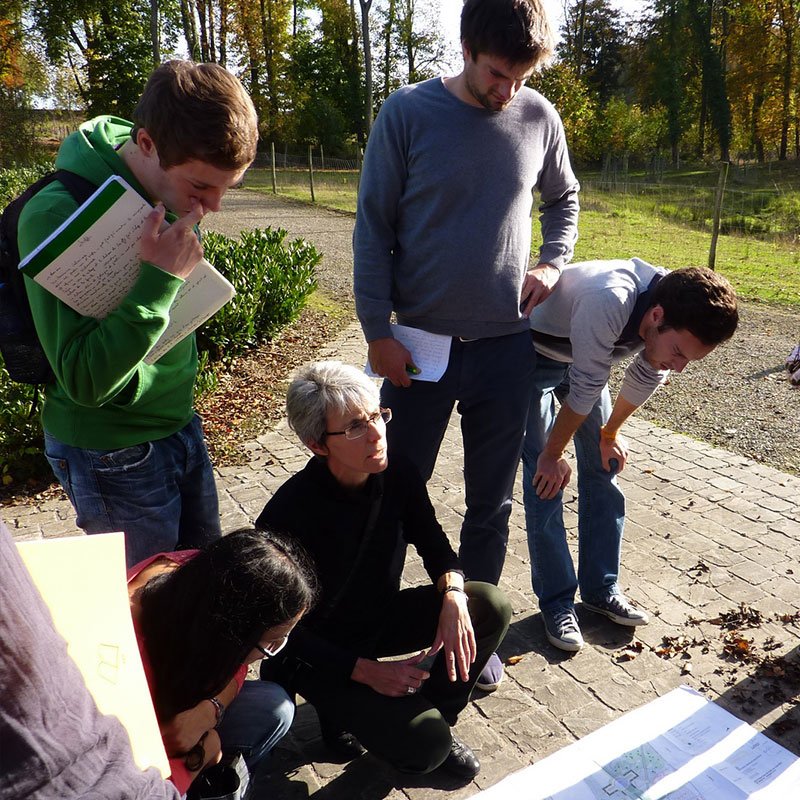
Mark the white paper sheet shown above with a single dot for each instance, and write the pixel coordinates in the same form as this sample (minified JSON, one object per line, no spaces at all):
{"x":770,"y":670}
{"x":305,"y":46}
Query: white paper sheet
{"x":430,"y":351}
{"x":678,"y":747}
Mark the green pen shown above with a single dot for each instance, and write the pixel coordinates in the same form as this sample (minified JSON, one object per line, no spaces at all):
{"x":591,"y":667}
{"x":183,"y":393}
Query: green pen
{"x":412,"y":370}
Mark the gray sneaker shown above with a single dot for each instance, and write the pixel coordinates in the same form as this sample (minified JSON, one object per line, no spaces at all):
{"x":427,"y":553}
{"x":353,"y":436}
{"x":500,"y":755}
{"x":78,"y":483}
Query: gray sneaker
{"x":561,"y":627}
{"x":618,"y":609}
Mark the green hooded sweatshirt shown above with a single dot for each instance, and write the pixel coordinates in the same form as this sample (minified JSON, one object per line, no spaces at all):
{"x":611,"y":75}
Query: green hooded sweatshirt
{"x":104,"y":397}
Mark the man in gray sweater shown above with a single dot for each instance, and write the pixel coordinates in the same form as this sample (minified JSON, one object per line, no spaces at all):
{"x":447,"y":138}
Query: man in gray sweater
{"x":599,"y":313}
{"x":443,"y":238}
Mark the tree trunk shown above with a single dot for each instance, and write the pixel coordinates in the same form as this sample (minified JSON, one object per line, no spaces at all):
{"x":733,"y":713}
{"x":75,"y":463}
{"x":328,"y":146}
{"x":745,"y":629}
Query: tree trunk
{"x":268,"y":41}
{"x":579,"y":42}
{"x":387,"y":56}
{"x":223,"y":32}
{"x":155,"y":38}
{"x":366,"y":5}
{"x":190,"y":29}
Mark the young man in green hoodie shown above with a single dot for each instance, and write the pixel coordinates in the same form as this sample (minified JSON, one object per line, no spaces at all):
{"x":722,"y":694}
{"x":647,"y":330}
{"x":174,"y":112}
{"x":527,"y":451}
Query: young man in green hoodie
{"x":121,"y":435}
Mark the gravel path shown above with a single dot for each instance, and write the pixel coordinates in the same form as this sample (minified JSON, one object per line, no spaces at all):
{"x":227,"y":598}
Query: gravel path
{"x":736,"y":398}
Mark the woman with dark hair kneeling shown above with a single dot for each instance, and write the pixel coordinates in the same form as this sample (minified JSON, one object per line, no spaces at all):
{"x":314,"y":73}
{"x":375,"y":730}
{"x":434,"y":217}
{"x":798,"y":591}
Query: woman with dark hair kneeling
{"x":201,"y":616}
{"x":355,"y":513}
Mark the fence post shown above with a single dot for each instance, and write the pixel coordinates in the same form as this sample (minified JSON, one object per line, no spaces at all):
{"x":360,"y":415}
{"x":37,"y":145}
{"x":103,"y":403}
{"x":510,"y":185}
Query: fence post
{"x":274,"y":182}
{"x":321,"y":158}
{"x":311,"y":174}
{"x":723,"y":176}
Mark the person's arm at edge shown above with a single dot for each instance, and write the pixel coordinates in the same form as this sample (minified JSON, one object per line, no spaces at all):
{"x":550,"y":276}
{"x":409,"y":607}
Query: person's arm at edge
{"x":83,"y":751}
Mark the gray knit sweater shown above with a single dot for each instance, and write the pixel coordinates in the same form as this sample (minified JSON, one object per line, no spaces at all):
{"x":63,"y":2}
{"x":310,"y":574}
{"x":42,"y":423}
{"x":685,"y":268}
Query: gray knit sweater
{"x":443,"y":230}
{"x":586,"y":315}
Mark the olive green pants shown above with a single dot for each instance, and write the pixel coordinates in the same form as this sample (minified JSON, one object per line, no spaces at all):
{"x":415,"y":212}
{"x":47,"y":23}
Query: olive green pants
{"x":411,"y":733}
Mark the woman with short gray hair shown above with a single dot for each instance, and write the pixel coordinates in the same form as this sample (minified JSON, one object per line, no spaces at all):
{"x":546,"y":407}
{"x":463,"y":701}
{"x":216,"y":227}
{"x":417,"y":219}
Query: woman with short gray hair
{"x":355,"y":513}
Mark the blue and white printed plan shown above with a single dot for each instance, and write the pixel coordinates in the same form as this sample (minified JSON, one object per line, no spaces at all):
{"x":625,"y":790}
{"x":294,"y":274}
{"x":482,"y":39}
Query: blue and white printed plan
{"x":678,"y":747}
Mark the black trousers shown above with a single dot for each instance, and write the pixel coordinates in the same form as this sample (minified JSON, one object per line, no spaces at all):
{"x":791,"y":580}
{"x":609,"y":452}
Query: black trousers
{"x":412,"y":733}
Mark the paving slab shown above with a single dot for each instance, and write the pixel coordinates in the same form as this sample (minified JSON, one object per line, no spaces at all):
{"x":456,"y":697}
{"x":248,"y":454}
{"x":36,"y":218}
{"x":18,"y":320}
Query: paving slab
{"x":707,"y":531}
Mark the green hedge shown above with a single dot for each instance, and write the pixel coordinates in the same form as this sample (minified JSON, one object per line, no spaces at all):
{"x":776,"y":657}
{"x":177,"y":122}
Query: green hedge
{"x":273,"y":281}
{"x":14,"y":180}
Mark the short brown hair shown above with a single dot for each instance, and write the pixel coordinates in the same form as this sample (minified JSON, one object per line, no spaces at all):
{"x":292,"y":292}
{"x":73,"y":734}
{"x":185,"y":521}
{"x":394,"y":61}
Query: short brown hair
{"x":197,"y":112}
{"x":516,"y":30}
{"x":698,"y":300}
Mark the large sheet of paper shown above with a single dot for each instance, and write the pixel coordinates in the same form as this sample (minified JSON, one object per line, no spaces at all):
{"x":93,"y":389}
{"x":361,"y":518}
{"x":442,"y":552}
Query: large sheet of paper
{"x":680,"y":747}
{"x":82,"y":579}
{"x":430,"y":351}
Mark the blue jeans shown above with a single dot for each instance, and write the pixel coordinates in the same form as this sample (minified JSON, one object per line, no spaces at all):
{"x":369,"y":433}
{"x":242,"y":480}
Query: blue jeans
{"x":490,"y":380}
{"x":256,"y":720}
{"x":161,"y":494}
{"x":601,"y":504}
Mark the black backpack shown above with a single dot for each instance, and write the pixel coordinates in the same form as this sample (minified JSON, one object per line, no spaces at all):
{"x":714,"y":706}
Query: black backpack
{"x":19,"y":344}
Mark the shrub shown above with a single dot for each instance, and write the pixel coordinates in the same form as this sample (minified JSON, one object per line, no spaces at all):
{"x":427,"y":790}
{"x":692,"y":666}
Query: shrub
{"x":21,"y":437}
{"x":272,"y":280}
{"x":14,"y":180}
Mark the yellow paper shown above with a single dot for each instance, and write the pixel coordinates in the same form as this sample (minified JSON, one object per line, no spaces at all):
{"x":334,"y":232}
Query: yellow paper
{"x":82,"y":579}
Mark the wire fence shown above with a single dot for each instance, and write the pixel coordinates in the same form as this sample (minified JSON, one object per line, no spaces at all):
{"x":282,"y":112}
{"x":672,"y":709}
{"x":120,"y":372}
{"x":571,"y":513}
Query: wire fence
{"x":767,"y":213}
{"x":772,"y":214}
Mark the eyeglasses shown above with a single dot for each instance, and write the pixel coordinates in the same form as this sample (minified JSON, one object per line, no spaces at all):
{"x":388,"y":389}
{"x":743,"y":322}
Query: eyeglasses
{"x":270,"y":653}
{"x":358,"y":429}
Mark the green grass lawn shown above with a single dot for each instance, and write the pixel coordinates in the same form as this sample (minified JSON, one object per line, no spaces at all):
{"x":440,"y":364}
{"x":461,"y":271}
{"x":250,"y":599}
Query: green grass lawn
{"x":616,"y":226}
{"x":758,"y":270}
{"x":335,"y":189}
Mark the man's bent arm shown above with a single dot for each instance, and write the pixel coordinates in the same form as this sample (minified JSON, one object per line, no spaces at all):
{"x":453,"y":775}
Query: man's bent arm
{"x":612,"y":445}
{"x":552,"y":471}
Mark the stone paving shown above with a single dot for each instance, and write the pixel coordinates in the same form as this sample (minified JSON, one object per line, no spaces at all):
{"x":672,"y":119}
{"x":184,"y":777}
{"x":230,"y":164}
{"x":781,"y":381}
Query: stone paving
{"x":706,"y":531}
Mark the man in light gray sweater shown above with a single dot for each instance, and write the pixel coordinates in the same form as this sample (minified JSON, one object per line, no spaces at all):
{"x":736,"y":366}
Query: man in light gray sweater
{"x":602,"y":312}
{"x":443,"y":238}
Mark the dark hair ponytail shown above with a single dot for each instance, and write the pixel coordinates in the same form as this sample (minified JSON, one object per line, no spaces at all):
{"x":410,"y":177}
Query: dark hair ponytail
{"x":201,"y":620}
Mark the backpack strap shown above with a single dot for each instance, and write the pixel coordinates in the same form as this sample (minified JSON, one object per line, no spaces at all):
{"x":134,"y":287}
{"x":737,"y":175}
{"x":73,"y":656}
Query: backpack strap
{"x":79,"y":187}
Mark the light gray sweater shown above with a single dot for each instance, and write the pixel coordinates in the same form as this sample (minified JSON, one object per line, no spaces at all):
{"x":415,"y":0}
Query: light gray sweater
{"x":586,"y":315}
{"x":443,"y":230}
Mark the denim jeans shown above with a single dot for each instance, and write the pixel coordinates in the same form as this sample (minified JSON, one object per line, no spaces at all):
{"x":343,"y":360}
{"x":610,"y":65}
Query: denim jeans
{"x":490,"y":380}
{"x":161,"y":494}
{"x":256,"y":720}
{"x":601,"y":504}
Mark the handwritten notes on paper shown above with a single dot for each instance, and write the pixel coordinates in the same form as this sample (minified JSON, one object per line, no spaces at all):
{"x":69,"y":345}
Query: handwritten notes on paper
{"x":82,"y":580}
{"x":430,"y":351}
{"x":203,"y":294}
{"x":94,"y":274}
{"x":92,"y":261}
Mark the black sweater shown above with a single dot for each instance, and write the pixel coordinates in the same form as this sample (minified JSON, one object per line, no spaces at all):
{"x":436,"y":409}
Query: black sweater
{"x":330,"y":522}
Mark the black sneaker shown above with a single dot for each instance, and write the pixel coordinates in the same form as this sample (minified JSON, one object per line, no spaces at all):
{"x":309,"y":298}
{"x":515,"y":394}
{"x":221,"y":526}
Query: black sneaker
{"x":461,"y":761}
{"x":342,"y":744}
{"x":618,"y":609}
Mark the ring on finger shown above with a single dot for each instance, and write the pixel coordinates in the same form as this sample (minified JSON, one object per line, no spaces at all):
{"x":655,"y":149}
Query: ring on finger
{"x":410,"y":690}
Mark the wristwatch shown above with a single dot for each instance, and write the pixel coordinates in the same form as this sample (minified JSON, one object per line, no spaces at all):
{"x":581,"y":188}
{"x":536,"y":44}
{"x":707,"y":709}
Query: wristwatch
{"x":219,"y":708}
{"x":452,"y":589}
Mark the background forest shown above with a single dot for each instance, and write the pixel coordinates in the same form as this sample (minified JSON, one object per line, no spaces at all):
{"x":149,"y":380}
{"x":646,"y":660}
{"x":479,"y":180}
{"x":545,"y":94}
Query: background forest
{"x":677,"y":80}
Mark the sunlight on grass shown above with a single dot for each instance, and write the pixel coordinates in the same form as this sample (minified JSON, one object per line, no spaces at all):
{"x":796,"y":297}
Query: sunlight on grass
{"x":611,"y":226}
{"x":757,"y":269}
